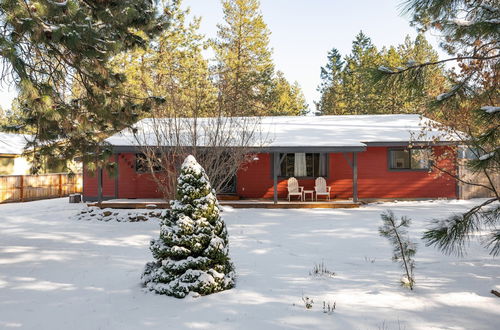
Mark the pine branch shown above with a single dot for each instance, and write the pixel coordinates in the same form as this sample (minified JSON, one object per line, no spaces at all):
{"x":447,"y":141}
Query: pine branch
{"x":450,"y":235}
{"x":459,"y":179}
{"x":422,"y":65}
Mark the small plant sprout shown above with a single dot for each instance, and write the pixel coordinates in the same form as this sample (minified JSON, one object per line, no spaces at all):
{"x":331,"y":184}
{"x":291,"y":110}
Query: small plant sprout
{"x":308,"y":302}
{"x":403,"y":249}
{"x":328,"y":307}
{"x":370,"y":260}
{"x":321,"y":270}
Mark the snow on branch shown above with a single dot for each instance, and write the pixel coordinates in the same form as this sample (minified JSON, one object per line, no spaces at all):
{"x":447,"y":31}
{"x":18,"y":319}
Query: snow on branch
{"x":385,"y":69}
{"x":462,"y":22}
{"x":447,"y":95}
{"x":444,"y":96}
{"x":490,"y":109}
{"x":60,"y":4}
{"x":487,"y":156}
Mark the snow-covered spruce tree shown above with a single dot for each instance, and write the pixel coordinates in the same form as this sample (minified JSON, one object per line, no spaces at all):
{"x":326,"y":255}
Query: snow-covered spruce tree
{"x":403,"y":249}
{"x":191,"y":254}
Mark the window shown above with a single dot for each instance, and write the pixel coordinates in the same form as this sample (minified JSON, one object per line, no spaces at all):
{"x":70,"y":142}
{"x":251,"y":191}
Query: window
{"x":409,"y":159}
{"x":142,"y":166}
{"x":303,"y":165}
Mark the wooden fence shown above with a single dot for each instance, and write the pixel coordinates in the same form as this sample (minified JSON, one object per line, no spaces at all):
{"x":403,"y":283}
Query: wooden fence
{"x":467,"y":191}
{"x":22,"y":188}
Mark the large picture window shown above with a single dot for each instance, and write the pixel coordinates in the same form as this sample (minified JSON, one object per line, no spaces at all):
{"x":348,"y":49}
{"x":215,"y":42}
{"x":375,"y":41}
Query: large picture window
{"x":409,"y":159}
{"x":303,"y":165}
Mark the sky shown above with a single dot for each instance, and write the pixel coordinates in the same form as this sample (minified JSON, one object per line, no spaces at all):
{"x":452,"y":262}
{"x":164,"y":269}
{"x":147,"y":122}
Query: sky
{"x":302,"y":33}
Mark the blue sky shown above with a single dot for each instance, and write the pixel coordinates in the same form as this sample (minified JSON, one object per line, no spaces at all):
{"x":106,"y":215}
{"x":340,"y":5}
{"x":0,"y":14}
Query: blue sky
{"x":304,"y":31}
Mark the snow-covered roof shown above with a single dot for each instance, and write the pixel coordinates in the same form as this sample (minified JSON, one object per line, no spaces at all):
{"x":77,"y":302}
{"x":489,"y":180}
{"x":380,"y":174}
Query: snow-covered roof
{"x":13,"y":144}
{"x":314,"y":131}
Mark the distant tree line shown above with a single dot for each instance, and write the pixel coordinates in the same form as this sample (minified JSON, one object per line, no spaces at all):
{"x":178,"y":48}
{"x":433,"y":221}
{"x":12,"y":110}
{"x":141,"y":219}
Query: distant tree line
{"x":240,"y":79}
{"x":349,"y":85}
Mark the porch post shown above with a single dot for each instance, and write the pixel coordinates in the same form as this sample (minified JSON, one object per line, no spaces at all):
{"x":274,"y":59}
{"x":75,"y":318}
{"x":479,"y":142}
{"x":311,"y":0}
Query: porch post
{"x":99,"y":184}
{"x":117,"y":174}
{"x":276,"y":160}
{"x":355,"y":177}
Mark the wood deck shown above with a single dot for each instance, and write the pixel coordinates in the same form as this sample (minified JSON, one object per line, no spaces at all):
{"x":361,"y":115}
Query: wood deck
{"x":285,"y":204}
{"x":242,"y":204}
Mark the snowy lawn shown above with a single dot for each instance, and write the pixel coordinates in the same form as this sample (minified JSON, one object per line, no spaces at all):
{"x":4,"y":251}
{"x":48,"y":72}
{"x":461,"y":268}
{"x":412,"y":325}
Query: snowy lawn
{"x":59,"y":273}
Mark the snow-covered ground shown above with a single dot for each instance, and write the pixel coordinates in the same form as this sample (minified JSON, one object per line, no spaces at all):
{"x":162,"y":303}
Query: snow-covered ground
{"x":60,"y":273}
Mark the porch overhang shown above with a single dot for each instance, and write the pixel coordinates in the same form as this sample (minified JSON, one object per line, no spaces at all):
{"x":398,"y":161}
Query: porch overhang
{"x":412,"y":143}
{"x":313,"y":149}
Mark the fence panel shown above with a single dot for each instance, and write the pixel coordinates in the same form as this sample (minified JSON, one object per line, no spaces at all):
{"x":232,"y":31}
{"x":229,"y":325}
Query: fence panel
{"x":469,"y":191}
{"x":21,"y":188}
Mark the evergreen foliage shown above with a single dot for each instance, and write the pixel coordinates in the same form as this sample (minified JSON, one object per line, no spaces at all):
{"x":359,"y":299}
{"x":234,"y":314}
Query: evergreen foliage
{"x":349,"y":85}
{"x":57,"y":52}
{"x":288,"y":99}
{"x":450,"y":235}
{"x":471,"y":36}
{"x":403,"y":249}
{"x":331,"y":84}
{"x":244,"y":65}
{"x":245,"y":73}
{"x":191,"y":254}
{"x":172,"y":65}
{"x":242,"y":82}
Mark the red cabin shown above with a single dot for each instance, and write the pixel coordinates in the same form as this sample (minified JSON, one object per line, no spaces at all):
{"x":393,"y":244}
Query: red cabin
{"x":367,"y":157}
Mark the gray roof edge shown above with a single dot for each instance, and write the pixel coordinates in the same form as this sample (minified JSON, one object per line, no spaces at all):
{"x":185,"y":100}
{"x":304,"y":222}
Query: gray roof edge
{"x":406,"y":143}
{"x":320,"y":149}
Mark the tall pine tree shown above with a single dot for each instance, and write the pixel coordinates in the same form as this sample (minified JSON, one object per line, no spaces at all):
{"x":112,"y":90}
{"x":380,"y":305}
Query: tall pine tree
{"x":244,"y":65}
{"x":360,"y":94}
{"x":330,"y":102}
{"x":172,"y":66}
{"x":287,"y":99}
{"x":49,"y":47}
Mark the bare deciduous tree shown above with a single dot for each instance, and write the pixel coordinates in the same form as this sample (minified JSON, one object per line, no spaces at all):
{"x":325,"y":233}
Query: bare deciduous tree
{"x":223,"y":145}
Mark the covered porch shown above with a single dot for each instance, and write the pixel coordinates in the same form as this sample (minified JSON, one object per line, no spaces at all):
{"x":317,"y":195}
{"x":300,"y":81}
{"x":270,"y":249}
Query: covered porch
{"x":280,"y":157}
{"x":265,"y":183}
{"x":275,"y":158}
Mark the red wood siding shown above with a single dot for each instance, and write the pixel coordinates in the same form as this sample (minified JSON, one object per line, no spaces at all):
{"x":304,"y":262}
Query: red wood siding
{"x":375,"y":180}
{"x":254,"y":180}
{"x":108,"y":184}
{"x":130,"y":183}
{"x":89,"y":182}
